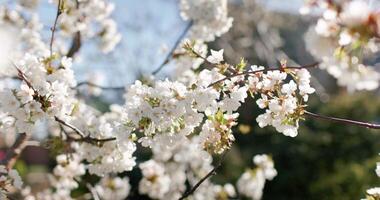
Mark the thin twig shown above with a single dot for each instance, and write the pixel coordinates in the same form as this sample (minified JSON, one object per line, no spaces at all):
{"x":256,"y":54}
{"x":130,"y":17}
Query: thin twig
{"x":53,"y":29}
{"x":98,"y":86}
{"x":14,"y":152}
{"x":208,"y":175}
{"x":75,"y":129}
{"x":82,"y":136}
{"x":263,"y":70}
{"x":210,"y":65}
{"x":344,"y":121}
{"x":174,"y":47}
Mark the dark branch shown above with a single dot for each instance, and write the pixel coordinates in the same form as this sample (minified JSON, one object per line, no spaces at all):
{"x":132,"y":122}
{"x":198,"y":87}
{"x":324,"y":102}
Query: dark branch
{"x":14,"y":152}
{"x":343,"y":121}
{"x":77,"y":40}
{"x":75,"y":129}
{"x":75,"y":45}
{"x":83,"y":138}
{"x":263,"y":70}
{"x":174,"y":47}
{"x":53,"y":29}
{"x":208,"y":175}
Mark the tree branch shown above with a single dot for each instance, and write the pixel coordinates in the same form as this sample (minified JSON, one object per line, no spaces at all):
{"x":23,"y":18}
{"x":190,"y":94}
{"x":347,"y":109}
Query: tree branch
{"x":75,"y":45}
{"x":174,"y":47}
{"x":53,"y":29}
{"x":98,"y":86}
{"x":208,"y":175}
{"x":14,"y":152}
{"x":343,"y":121}
{"x":263,"y":70}
{"x":83,"y":138}
{"x":76,"y":42}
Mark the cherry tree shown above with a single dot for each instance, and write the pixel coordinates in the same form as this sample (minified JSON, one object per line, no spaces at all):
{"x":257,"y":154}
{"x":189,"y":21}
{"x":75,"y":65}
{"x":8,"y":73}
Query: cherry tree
{"x":184,"y":120}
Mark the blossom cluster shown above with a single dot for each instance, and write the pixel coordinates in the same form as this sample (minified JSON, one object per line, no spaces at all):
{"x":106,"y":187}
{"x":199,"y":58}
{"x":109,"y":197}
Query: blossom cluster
{"x":284,"y":102}
{"x":166,"y":174}
{"x":113,"y":187}
{"x":43,"y":94}
{"x":102,"y":156}
{"x":251,"y":183}
{"x":343,"y":38}
{"x":209,"y":18}
{"x":8,"y":179}
{"x":90,"y":18}
{"x":183,"y":121}
{"x":63,"y":180}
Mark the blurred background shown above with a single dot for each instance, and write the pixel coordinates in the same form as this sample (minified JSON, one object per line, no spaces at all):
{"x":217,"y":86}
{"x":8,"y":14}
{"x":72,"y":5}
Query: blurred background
{"x":325,"y":161}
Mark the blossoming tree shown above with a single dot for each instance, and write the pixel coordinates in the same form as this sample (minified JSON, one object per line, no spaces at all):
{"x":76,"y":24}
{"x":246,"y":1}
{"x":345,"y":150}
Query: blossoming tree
{"x":184,"y":120}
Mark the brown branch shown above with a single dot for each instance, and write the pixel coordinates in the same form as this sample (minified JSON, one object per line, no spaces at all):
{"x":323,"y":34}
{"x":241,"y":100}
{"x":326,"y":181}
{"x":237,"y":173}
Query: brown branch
{"x":174,"y":47}
{"x":83,"y":138}
{"x":75,"y":45}
{"x":343,"y":121}
{"x":208,"y":175}
{"x":22,"y":76}
{"x":53,"y":29}
{"x":263,"y":70}
{"x":75,"y":129}
{"x":77,"y":40}
{"x":14,"y":152}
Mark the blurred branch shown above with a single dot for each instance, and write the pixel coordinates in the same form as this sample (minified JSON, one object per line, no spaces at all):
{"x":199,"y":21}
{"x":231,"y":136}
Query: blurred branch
{"x":98,"y":86}
{"x":208,"y":175}
{"x":10,"y":77}
{"x":53,"y":29}
{"x":76,"y":42}
{"x":75,"y":45}
{"x":171,"y":52}
{"x":14,"y":152}
{"x":343,"y":121}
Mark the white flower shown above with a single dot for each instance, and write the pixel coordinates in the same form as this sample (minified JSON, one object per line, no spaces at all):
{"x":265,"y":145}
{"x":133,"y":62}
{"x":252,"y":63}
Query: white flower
{"x":155,"y":182}
{"x":209,"y":17}
{"x":355,"y":12}
{"x":345,"y":38}
{"x":265,"y":163}
{"x":68,"y":168}
{"x":264,"y":119}
{"x":289,"y":88}
{"x":251,"y":182}
{"x":8,"y":178}
{"x":326,"y":28}
{"x":17,"y":182}
{"x":113,"y":188}
{"x":263,"y":101}
{"x":374,"y":192}
{"x":216,"y":56}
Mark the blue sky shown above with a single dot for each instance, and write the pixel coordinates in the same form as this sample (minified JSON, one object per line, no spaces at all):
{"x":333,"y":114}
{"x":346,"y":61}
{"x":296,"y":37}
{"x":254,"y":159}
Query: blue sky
{"x":146,"y":26}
